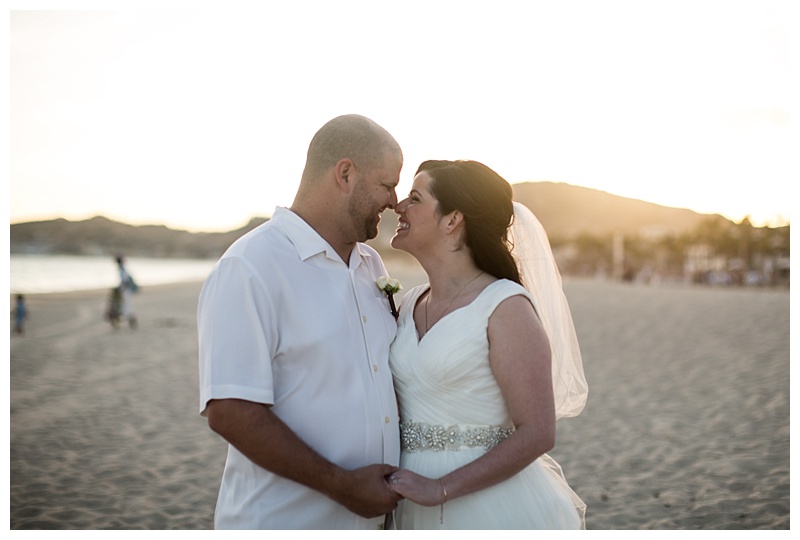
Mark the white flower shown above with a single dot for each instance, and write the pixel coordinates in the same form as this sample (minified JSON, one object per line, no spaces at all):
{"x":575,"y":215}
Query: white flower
{"x":388,"y":285}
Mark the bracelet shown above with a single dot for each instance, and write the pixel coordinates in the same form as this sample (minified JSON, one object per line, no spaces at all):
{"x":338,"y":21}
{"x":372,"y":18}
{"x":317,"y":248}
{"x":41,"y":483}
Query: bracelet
{"x":441,"y":508}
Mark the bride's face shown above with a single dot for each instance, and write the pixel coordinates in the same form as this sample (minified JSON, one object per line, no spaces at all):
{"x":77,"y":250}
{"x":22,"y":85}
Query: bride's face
{"x":418,"y":217}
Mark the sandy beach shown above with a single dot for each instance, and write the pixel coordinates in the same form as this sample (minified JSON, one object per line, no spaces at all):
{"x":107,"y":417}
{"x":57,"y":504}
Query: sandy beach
{"x":687,"y":424}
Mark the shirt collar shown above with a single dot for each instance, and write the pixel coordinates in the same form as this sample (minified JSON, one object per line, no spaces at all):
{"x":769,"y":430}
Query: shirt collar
{"x":308,"y":242}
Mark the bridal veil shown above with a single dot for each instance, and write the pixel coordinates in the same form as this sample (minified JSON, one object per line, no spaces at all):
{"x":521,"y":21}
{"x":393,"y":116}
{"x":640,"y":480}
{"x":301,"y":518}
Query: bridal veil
{"x":540,"y":276}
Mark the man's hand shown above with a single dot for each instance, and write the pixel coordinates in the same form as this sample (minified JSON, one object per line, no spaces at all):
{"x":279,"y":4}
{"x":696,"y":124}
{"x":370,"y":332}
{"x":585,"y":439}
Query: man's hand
{"x":365,"y":491}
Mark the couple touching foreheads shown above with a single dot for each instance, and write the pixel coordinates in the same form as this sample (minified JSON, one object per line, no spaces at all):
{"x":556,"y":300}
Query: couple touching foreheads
{"x":340,"y":415}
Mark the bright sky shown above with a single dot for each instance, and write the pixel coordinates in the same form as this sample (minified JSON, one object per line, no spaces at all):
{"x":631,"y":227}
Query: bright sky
{"x":200,"y":118}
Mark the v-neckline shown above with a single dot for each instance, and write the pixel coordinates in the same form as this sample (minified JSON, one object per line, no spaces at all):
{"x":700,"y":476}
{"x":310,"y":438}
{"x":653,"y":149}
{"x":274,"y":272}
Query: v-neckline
{"x":419,"y":298}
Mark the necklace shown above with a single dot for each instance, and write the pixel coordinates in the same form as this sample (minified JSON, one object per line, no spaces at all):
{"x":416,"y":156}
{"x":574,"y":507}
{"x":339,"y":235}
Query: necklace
{"x":427,"y":301}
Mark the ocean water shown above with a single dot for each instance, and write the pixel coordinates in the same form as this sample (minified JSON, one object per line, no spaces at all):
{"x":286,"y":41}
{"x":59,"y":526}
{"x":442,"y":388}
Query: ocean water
{"x":30,"y":274}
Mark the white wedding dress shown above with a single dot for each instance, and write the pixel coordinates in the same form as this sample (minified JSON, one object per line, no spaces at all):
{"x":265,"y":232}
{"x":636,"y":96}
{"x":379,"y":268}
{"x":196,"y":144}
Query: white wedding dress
{"x":452,"y":412}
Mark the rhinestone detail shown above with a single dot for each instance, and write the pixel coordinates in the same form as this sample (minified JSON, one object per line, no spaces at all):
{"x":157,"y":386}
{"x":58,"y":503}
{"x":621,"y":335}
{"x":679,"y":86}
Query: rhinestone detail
{"x":418,"y":436}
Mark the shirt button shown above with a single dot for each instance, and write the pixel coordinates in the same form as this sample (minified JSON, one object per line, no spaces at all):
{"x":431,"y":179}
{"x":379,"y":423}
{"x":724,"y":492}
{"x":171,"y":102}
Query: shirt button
{"x":364,"y":318}
{"x":386,"y":419}
{"x":374,"y":368}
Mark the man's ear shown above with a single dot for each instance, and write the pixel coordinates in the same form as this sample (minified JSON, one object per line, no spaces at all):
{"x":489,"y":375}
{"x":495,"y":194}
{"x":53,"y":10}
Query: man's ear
{"x":344,"y":171}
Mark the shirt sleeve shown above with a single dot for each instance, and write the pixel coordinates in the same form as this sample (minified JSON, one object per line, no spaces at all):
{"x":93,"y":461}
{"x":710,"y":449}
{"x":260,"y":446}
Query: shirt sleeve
{"x":237,"y":335}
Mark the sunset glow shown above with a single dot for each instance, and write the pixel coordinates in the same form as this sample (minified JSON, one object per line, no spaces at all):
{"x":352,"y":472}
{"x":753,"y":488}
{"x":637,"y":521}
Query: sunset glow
{"x":200,"y":118}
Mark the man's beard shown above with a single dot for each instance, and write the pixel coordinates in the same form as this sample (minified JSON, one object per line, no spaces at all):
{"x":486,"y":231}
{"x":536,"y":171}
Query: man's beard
{"x":364,"y":225}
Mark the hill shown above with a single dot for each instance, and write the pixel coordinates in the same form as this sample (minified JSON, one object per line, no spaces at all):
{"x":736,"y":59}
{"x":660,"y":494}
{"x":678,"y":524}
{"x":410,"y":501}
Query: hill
{"x":565,"y":211}
{"x":102,"y":236}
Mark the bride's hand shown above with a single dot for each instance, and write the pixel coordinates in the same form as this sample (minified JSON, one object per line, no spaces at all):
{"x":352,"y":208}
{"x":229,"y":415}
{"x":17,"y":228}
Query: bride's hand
{"x":419,"y":489}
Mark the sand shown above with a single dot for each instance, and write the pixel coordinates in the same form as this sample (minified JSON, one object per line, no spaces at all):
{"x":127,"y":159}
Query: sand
{"x":687,"y":424}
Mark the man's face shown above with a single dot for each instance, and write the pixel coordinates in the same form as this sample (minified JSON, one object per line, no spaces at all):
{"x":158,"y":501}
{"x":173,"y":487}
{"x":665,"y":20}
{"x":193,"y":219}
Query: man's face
{"x":373,"y":192}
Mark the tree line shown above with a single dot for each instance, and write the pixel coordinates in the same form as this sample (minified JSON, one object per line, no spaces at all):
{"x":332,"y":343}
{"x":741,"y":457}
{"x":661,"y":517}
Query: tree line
{"x":715,"y":252}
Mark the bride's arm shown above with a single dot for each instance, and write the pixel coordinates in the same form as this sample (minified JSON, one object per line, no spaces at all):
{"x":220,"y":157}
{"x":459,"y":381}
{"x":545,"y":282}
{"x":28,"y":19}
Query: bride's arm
{"x":519,"y":354}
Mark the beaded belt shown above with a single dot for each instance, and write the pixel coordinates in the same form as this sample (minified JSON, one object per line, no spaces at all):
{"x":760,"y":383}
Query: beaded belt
{"x":417,"y":436}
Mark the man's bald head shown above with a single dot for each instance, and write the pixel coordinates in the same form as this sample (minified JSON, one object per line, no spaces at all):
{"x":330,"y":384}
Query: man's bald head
{"x":350,"y":136}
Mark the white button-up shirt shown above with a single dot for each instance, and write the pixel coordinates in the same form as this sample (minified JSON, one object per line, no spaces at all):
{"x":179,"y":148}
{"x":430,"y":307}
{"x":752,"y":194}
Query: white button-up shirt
{"x":283,"y":321}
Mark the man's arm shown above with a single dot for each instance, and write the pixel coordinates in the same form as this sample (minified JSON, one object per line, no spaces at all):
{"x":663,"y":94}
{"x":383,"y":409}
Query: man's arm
{"x":268,"y":442}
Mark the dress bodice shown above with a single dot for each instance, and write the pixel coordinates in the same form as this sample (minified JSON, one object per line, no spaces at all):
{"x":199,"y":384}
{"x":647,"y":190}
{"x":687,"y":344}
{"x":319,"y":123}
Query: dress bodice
{"x":445,"y":378}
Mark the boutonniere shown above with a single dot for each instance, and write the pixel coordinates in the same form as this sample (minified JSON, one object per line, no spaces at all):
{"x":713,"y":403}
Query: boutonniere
{"x":389,"y":286}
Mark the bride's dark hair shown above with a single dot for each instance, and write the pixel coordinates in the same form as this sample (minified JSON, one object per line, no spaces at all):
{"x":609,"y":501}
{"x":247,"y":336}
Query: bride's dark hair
{"x":485,"y":200}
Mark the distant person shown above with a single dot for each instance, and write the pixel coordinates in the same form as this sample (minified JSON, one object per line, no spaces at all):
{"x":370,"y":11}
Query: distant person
{"x":294,"y":346}
{"x":127,"y":287}
{"x":485,"y":360}
{"x":20,"y":315}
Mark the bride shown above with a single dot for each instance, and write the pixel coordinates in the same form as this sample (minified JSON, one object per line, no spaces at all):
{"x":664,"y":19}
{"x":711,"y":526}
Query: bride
{"x":482,"y":366}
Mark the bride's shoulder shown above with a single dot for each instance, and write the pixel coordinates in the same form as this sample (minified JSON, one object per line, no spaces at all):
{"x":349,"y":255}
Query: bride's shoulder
{"x":500,"y":291}
{"x":414,"y":293}
{"x":505,"y":288}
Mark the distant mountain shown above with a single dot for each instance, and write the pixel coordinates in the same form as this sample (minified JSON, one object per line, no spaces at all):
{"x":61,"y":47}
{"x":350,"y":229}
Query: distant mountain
{"x":567,"y":211}
{"x":102,"y":236}
{"x":564,"y":210}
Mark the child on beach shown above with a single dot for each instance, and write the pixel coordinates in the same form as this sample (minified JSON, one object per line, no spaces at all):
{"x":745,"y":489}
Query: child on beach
{"x":20,"y":315}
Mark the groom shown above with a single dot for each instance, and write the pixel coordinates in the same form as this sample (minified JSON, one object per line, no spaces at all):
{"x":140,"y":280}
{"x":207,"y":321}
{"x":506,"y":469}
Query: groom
{"x":294,"y":338}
